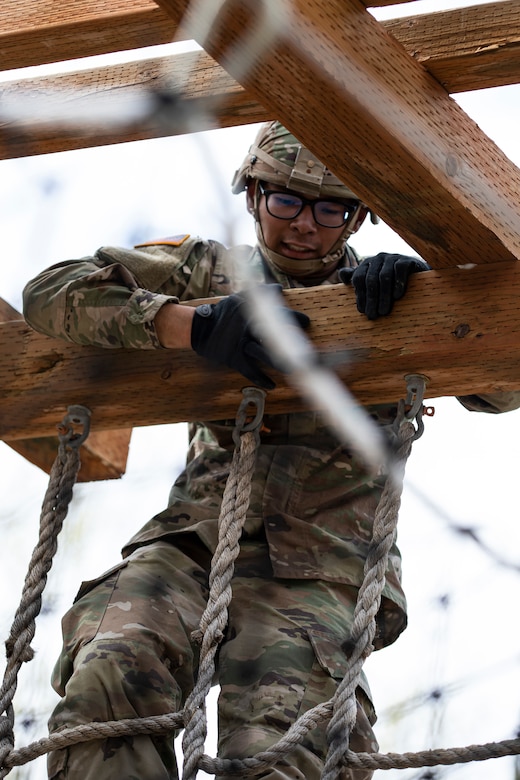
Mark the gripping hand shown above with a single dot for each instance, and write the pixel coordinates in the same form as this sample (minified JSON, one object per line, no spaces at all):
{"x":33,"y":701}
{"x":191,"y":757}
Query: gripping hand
{"x":226,"y":334}
{"x":380,"y":280}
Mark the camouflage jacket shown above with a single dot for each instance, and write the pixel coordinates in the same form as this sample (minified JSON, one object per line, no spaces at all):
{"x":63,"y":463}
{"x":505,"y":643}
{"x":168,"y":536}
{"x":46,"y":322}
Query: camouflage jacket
{"x":312,"y":503}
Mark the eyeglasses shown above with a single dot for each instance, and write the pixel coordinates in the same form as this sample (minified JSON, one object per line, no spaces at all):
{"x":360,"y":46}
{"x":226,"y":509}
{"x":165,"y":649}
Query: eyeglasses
{"x":327,"y":213}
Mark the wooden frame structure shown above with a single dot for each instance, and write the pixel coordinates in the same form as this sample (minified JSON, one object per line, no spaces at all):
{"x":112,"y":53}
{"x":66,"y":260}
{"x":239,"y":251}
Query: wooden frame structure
{"x":380,"y":90}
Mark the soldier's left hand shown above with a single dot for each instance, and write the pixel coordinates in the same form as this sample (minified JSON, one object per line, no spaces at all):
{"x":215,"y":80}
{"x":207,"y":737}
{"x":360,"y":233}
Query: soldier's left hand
{"x":381,"y":280}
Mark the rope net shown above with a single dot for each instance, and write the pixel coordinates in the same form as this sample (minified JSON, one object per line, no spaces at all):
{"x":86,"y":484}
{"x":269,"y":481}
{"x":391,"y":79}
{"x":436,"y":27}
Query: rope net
{"x":340,"y":711}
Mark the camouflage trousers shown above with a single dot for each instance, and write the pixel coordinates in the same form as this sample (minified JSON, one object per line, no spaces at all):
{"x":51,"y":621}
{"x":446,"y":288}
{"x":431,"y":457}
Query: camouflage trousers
{"x":128,"y":653}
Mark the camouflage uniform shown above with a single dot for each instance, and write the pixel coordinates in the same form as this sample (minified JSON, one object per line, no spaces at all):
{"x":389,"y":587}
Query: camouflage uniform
{"x":127,"y":649}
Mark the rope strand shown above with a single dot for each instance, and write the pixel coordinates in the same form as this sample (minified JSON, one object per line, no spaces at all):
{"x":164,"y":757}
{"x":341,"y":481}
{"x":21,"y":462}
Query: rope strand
{"x":369,"y":600}
{"x":18,"y":645}
{"x":234,"y":507}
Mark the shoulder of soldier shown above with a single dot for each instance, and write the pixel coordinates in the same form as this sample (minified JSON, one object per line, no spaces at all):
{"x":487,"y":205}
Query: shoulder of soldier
{"x":181,"y":248}
{"x":161,"y":265}
{"x":184,"y":246}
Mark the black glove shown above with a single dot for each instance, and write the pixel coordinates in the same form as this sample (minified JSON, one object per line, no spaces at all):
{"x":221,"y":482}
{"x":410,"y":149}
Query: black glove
{"x":224,"y":333}
{"x":380,"y":280}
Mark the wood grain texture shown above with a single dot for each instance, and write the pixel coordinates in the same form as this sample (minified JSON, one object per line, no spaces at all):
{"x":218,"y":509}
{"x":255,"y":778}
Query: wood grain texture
{"x":103,"y":455}
{"x":120,"y":103}
{"x":44,"y":31}
{"x":465,"y":49}
{"x":380,"y":3}
{"x":453,"y":326}
{"x":381,"y":123}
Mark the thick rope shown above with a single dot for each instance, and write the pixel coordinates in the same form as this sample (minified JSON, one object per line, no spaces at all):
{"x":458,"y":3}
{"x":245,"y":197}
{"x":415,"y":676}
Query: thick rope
{"x":234,"y":507}
{"x":369,"y":600}
{"x":159,"y":725}
{"x":54,"y":510}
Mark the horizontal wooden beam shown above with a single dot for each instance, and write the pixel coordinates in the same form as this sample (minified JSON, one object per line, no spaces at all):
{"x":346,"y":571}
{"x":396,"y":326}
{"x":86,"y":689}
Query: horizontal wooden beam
{"x":119,"y":103}
{"x":467,"y":48}
{"x":104,"y":454}
{"x":380,"y":3}
{"x":461,"y":328}
{"x":44,"y":31}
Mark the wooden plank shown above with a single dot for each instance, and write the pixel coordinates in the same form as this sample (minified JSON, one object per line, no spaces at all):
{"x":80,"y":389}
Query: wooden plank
{"x":380,"y":3}
{"x":8,"y":312}
{"x":44,"y":31}
{"x":466,"y":48}
{"x":380,"y":122}
{"x":104,"y":454}
{"x":471,"y":61}
{"x":211,"y":99}
{"x":454,"y":326}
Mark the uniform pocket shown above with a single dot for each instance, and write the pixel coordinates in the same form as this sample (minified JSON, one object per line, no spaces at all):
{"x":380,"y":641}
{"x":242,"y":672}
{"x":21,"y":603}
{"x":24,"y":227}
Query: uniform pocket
{"x":88,"y":585}
{"x":81,"y":623}
{"x":332,"y":659}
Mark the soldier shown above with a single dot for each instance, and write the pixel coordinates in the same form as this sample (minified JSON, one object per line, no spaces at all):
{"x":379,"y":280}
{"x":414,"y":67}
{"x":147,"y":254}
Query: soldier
{"x":128,"y":650}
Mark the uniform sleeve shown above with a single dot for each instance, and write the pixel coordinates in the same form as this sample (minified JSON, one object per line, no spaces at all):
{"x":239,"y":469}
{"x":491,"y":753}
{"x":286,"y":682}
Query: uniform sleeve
{"x":108,"y":300}
{"x":91,"y":301}
{"x":492,"y":403}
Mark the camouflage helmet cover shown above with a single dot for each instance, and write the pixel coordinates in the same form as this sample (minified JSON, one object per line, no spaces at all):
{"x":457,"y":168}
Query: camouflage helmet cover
{"x":279,"y":158}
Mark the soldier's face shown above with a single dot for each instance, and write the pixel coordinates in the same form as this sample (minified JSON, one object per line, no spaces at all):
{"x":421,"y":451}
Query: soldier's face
{"x":300,"y":238}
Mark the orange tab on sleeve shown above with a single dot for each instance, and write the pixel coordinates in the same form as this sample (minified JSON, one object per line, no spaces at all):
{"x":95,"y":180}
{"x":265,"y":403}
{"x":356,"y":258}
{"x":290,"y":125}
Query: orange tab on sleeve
{"x":170,"y":240}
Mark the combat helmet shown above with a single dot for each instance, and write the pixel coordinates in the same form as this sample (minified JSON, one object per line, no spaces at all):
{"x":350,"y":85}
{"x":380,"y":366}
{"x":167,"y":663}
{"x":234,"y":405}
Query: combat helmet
{"x":277,"y":157}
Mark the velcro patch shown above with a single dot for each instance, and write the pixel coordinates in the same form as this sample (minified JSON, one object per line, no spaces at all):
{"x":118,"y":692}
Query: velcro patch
{"x":170,"y":240}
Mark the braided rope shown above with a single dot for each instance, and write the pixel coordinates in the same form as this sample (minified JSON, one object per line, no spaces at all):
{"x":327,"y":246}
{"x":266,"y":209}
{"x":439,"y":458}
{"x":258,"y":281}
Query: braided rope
{"x":165,"y":724}
{"x":18,"y":646}
{"x":234,"y":507}
{"x":369,"y":600}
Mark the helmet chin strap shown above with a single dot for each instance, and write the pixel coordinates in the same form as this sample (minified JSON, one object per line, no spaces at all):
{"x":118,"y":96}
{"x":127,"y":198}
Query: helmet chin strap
{"x":317,"y":267}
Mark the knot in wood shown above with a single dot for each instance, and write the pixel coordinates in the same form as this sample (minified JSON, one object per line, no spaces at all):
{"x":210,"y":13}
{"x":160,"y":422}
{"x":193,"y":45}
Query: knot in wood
{"x":461,"y":330}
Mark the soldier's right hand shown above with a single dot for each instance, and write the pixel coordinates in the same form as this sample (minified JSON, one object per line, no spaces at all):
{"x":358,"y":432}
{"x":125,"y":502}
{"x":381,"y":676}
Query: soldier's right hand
{"x":224,"y":333}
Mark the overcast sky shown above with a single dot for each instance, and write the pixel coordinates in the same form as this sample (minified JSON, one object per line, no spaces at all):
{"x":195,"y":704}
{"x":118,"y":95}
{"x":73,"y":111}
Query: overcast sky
{"x":453,"y":677}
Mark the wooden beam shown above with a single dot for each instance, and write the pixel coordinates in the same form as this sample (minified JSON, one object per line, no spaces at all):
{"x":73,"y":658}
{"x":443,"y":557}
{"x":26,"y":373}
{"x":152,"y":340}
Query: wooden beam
{"x":461,"y":328}
{"x":43,"y":31}
{"x":380,"y":3}
{"x":467,"y":48}
{"x":8,"y":312}
{"x":380,"y":122}
{"x":104,"y":454}
{"x":473,"y":59}
{"x":61,"y":110}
